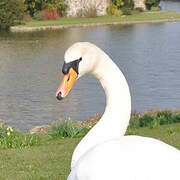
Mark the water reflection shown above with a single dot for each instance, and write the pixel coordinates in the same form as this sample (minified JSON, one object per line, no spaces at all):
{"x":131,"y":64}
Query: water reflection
{"x":30,"y":71}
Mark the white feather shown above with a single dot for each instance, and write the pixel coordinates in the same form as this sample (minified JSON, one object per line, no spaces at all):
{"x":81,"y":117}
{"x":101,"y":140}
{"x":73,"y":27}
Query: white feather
{"x":105,"y":153}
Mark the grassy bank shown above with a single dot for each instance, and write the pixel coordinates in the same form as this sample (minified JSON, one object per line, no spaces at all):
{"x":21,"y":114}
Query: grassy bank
{"x":51,"y":159}
{"x":48,"y":156}
{"x":160,"y":16}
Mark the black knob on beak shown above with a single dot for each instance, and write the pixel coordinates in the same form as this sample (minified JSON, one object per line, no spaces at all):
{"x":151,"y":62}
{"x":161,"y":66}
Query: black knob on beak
{"x":59,"y":96}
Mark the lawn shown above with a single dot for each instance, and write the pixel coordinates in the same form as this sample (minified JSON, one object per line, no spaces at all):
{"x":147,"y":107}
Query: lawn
{"x":51,"y":159}
{"x":160,"y":16}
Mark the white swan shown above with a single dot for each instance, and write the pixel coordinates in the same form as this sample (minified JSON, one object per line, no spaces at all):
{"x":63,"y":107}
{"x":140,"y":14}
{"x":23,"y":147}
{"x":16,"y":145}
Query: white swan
{"x":105,"y":153}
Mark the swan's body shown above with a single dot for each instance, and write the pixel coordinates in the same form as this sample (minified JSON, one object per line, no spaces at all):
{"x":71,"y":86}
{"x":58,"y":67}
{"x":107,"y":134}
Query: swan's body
{"x":105,"y":153}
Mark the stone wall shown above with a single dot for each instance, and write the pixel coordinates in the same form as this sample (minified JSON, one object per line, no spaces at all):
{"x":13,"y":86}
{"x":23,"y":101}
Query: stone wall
{"x":76,"y":7}
{"x":139,"y":4}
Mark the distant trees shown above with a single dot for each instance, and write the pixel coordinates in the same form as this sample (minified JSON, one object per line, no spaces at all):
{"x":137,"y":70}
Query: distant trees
{"x":152,"y":3}
{"x":11,"y":13}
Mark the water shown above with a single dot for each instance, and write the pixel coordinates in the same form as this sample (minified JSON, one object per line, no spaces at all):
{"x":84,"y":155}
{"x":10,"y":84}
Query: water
{"x":30,"y":71}
{"x":170,"y":5}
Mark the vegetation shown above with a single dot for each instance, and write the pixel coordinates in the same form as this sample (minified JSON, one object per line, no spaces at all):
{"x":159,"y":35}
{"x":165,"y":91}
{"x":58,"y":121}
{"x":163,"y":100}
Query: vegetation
{"x":11,"y":13}
{"x":152,"y":3}
{"x":51,"y":159}
{"x":48,"y":156}
{"x":119,"y":7}
{"x":136,"y":18}
{"x":16,"y":139}
{"x":67,"y":128}
{"x":50,"y":7}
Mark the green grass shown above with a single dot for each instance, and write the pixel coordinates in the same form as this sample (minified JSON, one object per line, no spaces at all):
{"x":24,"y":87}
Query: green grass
{"x":51,"y":159}
{"x":142,"y":17}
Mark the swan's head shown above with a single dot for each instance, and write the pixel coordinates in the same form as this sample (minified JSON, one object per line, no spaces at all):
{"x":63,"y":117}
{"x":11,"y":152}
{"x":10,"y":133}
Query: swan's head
{"x":79,"y":59}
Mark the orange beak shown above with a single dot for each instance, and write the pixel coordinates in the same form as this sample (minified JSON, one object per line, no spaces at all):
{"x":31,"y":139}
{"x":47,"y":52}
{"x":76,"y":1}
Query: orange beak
{"x":66,"y":84}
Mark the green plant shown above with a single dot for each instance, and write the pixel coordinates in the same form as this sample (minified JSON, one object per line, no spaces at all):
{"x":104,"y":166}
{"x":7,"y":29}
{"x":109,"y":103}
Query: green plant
{"x":128,"y":4}
{"x":126,"y":11}
{"x":11,"y":13}
{"x":59,"y":5}
{"x":39,"y":15}
{"x":145,"y":120}
{"x":15,"y":139}
{"x":164,"y":117}
{"x":155,"y":8}
{"x":118,"y":3}
{"x":139,"y":9}
{"x":65,"y":128}
{"x":33,"y":6}
{"x":113,"y":10}
{"x":176,"y":118}
{"x":152,"y":3}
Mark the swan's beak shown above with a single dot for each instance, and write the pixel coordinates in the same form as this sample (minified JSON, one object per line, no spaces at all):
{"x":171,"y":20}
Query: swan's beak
{"x":66,"y":84}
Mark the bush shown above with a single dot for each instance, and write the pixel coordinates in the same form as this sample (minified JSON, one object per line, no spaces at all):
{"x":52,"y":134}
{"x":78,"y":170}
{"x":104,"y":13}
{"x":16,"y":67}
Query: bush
{"x":67,"y":128}
{"x":139,"y":9}
{"x":127,"y":11}
{"x":39,"y":15}
{"x":113,"y":10}
{"x":33,"y":6}
{"x":145,"y":120}
{"x":152,"y":3}
{"x":176,"y":118}
{"x":11,"y":13}
{"x":128,"y":4}
{"x":51,"y":14}
{"x":125,"y":7}
{"x":155,"y":8}
{"x":164,"y":117}
{"x":14,"y":139}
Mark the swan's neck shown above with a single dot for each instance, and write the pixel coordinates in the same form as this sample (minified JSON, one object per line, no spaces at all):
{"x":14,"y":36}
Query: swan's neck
{"x":115,"y":119}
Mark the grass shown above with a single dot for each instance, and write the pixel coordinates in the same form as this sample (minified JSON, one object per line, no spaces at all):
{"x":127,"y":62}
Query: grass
{"x":51,"y":159}
{"x":136,"y":18}
{"x":49,"y":156}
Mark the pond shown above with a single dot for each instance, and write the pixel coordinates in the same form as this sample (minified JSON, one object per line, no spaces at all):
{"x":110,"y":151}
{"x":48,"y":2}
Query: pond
{"x":30,"y":71}
{"x":170,"y":5}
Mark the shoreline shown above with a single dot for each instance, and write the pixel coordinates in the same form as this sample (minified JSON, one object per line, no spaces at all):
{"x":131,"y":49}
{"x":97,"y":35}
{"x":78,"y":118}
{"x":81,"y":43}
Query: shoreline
{"x":23,"y":29}
{"x":63,"y":23}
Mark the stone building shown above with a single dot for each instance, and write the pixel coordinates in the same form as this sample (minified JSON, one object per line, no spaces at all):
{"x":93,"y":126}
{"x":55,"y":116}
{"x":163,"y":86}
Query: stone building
{"x":140,"y":4}
{"x":77,"y":7}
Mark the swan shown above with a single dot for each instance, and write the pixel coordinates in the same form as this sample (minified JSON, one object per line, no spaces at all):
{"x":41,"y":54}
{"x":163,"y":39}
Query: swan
{"x":105,"y":153}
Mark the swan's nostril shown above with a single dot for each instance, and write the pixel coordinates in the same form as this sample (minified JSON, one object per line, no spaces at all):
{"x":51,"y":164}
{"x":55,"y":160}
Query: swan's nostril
{"x":59,"y":96}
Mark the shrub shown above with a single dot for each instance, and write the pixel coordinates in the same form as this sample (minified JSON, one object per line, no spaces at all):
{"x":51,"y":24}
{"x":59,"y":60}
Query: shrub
{"x":155,"y":8}
{"x":126,"y":6}
{"x":33,"y":6}
{"x":65,"y":128}
{"x":139,"y":9}
{"x":145,"y":120}
{"x":11,"y":13}
{"x":113,"y":10}
{"x":151,"y":3}
{"x":51,"y":14}
{"x":14,"y":139}
{"x":39,"y":15}
{"x":176,"y":118}
{"x":127,"y":11}
{"x":164,"y":117}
